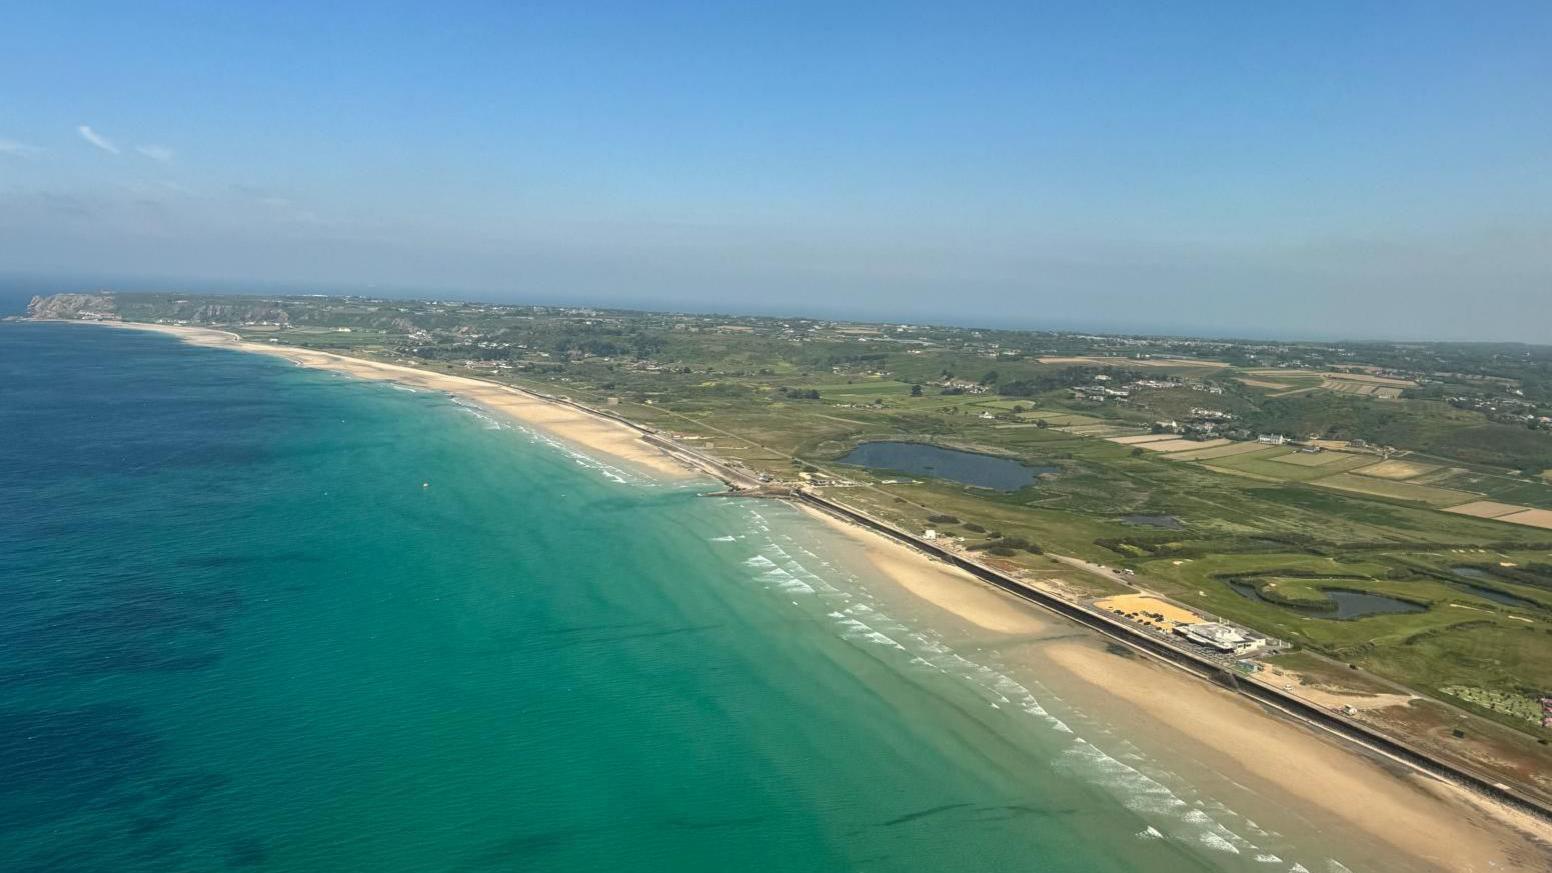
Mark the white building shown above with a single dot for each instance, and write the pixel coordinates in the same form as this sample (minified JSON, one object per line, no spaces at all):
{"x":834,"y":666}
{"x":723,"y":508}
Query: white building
{"x":1222,"y":637}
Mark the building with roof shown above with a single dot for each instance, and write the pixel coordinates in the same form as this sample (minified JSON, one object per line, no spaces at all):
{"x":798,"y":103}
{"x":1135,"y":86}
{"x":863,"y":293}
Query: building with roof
{"x":1223,"y":637}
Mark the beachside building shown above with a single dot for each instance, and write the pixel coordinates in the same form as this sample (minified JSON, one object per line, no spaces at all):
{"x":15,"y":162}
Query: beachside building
{"x":1223,"y":637}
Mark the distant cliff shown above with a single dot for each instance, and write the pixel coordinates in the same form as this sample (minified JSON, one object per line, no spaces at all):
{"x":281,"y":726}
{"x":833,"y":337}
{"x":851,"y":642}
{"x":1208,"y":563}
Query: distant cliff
{"x":160,"y":307}
{"x":88,"y":306}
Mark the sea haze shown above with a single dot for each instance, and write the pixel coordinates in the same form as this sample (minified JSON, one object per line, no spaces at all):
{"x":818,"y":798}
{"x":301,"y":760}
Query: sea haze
{"x":257,"y":617}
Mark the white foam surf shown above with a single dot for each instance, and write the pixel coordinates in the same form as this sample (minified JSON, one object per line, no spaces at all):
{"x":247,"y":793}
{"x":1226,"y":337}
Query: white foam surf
{"x":784,"y":564}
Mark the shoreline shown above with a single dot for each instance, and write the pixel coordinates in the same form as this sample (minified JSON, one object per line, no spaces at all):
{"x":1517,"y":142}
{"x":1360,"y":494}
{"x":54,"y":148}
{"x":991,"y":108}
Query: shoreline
{"x":1401,"y":805}
{"x":568,"y":421}
{"x":1362,"y":797}
{"x":1290,"y":765}
{"x":1279,"y":762}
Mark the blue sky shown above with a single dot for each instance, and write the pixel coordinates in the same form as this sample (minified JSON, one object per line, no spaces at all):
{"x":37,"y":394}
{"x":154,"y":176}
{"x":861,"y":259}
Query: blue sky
{"x":1341,"y":169}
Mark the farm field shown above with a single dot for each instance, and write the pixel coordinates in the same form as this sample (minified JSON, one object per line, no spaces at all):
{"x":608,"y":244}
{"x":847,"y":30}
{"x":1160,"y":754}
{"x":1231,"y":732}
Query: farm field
{"x":1282,"y":374}
{"x":1219,"y":451}
{"x":1282,"y":382}
{"x":1397,"y":469}
{"x":1312,"y":459}
{"x":1506,"y":512}
{"x":1485,"y":509}
{"x":1533,"y":517}
{"x":1244,"y":474}
{"x":1060,"y":419}
{"x":1143,"y":438}
{"x":1366,"y":386}
{"x":1494,"y":486}
{"x":1263,"y":383}
{"x":1365,"y":378}
{"x":1179,"y":445}
{"x":1102,"y":431}
{"x":1397,"y":490}
{"x":1270,"y":464}
{"x":868,"y":388}
{"x":1157,"y":363}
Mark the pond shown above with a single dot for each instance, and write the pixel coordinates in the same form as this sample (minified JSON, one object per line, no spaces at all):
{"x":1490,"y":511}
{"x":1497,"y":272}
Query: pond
{"x":1345,"y":604}
{"x":967,"y":468}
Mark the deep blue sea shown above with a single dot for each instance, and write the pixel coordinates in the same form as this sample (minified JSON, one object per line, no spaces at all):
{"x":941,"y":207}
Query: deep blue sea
{"x":258,"y":617}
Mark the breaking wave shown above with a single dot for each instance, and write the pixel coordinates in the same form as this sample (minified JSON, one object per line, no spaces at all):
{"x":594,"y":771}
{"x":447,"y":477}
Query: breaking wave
{"x":782,"y":564}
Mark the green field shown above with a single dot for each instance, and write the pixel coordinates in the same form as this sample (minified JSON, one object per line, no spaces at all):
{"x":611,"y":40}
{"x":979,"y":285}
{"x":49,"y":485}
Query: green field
{"x":1215,"y":452}
{"x":1326,"y":460}
{"x":1272,"y":465}
{"x":868,"y":389}
{"x":1397,"y":490}
{"x":1061,"y":419}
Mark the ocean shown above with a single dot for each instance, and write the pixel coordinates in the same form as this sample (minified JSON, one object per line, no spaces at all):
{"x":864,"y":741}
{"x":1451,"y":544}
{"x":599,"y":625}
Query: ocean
{"x":259,"y":617}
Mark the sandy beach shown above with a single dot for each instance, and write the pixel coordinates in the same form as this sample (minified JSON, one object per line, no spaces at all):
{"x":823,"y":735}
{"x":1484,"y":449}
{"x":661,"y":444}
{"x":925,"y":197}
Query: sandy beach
{"x":948,"y":588}
{"x":1314,"y":776}
{"x":1310,"y":774}
{"x":592,"y":433}
{"x":1426,"y":819}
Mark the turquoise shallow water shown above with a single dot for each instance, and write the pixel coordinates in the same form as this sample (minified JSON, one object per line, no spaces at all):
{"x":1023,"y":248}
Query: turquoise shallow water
{"x":260,"y":617}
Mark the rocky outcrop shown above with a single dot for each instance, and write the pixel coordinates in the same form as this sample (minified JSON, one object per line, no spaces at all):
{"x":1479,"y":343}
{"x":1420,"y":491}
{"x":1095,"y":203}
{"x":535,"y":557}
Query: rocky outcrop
{"x":76,"y":306}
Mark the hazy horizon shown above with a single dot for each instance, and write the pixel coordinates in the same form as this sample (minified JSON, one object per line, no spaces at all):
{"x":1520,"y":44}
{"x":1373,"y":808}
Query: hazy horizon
{"x":1326,"y":172}
{"x":16,"y":292}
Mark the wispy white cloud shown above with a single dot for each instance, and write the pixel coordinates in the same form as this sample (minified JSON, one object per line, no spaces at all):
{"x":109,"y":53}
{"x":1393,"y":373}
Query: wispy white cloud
{"x":156,"y":153}
{"x":156,"y":188}
{"x":97,"y":139}
{"x":18,"y":149}
{"x":262,"y":195}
